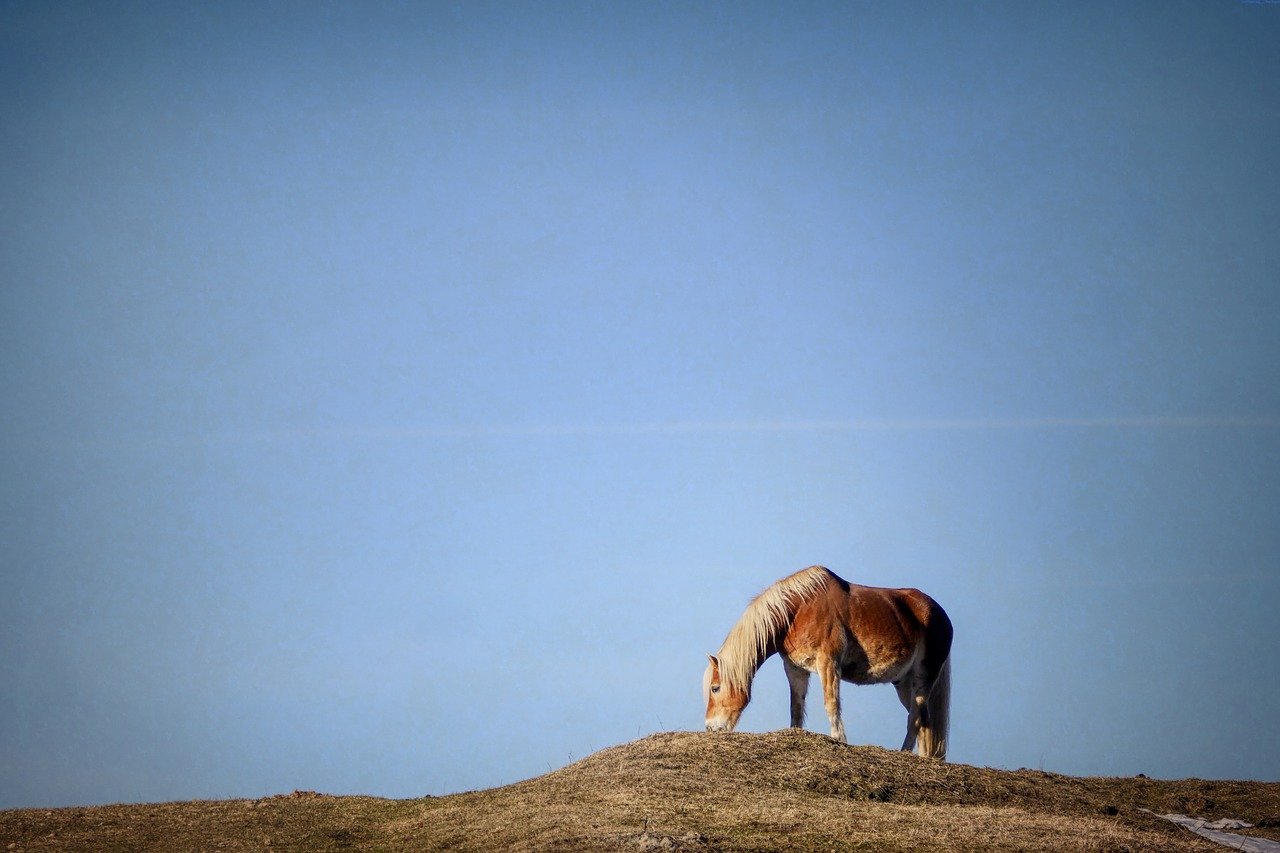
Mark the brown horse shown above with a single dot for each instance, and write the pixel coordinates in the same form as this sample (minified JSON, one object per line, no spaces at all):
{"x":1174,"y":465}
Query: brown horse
{"x":821,"y":623}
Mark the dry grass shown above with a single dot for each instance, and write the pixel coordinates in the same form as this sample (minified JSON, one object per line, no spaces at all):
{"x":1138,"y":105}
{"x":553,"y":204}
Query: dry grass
{"x":786,"y":790}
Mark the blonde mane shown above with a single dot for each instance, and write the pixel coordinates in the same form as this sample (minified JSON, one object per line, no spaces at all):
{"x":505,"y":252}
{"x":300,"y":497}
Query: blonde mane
{"x":744,"y":649}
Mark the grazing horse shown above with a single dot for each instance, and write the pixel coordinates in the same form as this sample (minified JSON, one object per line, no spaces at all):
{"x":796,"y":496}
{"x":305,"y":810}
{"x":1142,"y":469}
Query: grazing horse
{"x":821,"y":623}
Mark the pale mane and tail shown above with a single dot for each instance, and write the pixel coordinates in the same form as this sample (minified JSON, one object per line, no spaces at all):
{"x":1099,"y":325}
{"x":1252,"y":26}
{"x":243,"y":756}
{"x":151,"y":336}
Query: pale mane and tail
{"x":933,"y":739}
{"x":744,"y":649}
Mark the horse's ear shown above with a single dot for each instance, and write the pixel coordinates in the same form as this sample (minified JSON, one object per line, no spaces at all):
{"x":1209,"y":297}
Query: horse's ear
{"x":715,"y":662}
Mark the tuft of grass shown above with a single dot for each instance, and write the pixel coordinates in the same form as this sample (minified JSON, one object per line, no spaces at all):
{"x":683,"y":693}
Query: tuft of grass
{"x":792,"y":790}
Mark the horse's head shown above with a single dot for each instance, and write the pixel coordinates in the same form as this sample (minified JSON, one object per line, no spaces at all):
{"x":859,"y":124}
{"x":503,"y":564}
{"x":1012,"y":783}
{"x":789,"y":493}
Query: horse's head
{"x":724,"y":701}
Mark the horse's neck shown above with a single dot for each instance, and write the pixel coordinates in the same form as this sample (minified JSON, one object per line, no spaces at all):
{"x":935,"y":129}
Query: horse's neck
{"x":746,"y":649}
{"x":760,"y":631}
{"x":748,"y":660}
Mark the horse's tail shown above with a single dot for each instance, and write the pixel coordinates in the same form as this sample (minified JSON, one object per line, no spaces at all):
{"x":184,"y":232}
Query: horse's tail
{"x":933,"y":737}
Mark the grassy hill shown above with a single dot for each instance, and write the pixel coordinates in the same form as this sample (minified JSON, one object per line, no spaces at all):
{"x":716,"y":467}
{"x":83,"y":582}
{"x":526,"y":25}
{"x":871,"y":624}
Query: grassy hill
{"x":788,"y":790}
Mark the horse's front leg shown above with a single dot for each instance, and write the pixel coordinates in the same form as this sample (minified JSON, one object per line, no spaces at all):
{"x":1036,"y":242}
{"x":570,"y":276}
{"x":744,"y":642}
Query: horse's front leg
{"x":829,"y":672}
{"x":798,"y":678}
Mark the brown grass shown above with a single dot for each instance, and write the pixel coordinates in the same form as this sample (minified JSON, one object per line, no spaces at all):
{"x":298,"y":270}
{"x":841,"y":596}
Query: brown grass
{"x":787,"y":790}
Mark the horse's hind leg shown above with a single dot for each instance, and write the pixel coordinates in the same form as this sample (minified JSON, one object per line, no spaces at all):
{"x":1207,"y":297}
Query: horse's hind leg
{"x":798,"y":678}
{"x":909,"y":696}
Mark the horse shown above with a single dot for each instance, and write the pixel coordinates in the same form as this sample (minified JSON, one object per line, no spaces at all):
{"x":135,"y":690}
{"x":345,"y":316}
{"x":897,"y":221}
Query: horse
{"x":819,"y":622}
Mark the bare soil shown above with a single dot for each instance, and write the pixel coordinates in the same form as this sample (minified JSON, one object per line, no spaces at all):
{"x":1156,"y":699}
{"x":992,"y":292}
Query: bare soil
{"x":788,"y":790}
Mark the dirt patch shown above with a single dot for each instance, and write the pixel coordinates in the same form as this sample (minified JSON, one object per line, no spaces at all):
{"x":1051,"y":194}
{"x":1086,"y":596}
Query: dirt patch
{"x":790,"y":790}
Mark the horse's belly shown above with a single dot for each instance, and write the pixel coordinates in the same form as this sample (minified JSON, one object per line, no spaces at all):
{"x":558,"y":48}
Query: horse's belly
{"x":866,"y":675}
{"x":860,"y":668}
{"x":858,"y":675}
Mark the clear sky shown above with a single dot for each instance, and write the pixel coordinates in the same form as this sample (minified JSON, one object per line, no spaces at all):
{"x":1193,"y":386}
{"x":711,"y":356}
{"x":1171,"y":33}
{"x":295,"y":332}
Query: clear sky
{"x":404,"y":398}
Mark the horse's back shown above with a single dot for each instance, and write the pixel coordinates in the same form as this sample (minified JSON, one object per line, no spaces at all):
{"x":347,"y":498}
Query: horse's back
{"x":884,"y":609}
{"x":876,"y":632}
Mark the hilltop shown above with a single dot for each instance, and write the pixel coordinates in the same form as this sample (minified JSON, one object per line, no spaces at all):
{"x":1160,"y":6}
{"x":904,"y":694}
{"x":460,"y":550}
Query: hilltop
{"x":792,"y":790}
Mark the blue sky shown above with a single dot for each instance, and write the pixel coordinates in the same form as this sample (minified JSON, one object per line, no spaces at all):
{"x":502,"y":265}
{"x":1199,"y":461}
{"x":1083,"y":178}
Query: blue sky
{"x":404,"y":398}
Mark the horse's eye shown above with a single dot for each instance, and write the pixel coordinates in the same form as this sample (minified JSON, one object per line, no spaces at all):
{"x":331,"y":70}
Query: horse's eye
{"x":715,"y":688}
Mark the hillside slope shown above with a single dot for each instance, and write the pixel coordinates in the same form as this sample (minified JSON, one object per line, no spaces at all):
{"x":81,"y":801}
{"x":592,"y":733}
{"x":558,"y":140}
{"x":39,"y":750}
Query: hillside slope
{"x":788,"y":790}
